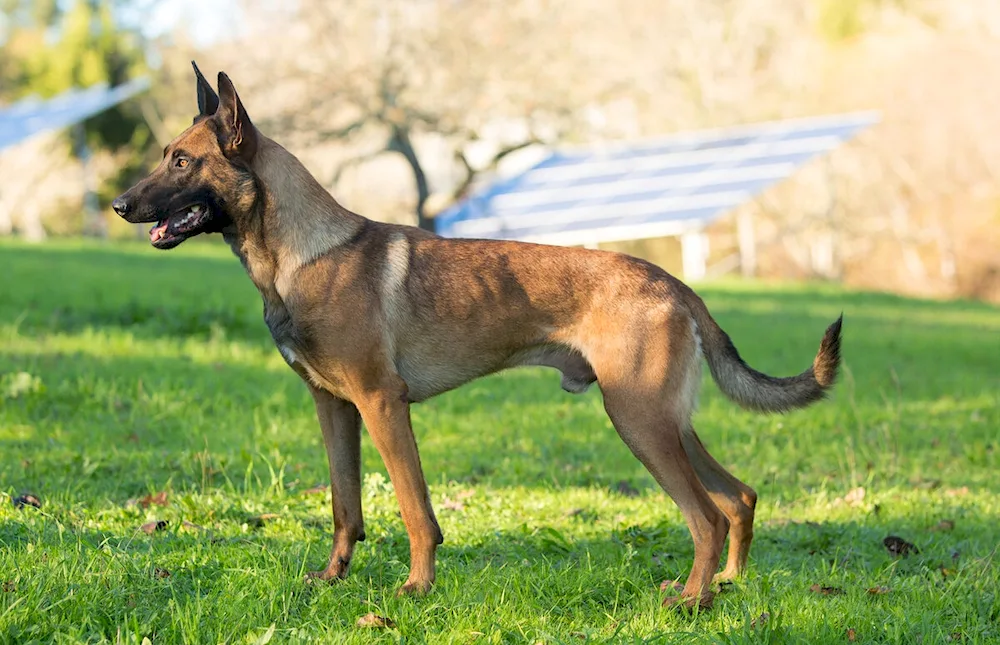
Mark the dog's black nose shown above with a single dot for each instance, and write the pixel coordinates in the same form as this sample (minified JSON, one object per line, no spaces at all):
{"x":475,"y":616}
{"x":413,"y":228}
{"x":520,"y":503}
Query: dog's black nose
{"x":120,"y":206}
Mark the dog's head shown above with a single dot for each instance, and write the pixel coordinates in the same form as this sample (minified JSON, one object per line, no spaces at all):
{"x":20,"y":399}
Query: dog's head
{"x":205,"y":182}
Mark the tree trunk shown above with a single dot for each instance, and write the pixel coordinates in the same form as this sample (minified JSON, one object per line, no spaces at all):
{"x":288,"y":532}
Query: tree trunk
{"x":400,"y":142}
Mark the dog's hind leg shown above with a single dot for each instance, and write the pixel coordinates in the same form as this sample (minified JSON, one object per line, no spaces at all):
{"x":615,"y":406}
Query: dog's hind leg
{"x":341,"y":426}
{"x":386,"y":414}
{"x":733,"y":497}
{"x":648,"y":393}
{"x":657,"y":444}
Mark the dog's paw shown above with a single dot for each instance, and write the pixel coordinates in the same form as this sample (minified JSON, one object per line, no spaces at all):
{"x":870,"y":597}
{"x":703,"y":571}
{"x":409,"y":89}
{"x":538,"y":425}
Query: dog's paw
{"x":335,"y":570}
{"x":702,"y":602}
{"x":415,"y":588}
{"x":728,"y":576}
{"x":326,"y":575}
{"x":314,"y":577}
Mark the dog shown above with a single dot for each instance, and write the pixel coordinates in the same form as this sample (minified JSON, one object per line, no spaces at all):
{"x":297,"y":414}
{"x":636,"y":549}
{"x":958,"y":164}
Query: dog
{"x":375,"y":317}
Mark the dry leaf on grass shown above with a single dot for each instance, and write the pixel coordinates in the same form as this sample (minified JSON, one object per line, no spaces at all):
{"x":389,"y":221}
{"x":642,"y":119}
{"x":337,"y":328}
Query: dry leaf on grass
{"x":27,"y":499}
{"x":760,"y":621}
{"x":878,"y":591}
{"x":852,"y":498}
{"x":852,"y":635}
{"x":897,"y":546}
{"x":826,"y":591}
{"x":152,"y":527}
{"x":318,"y":489}
{"x":944,"y":525}
{"x":957,"y":492}
{"x":257,"y":521}
{"x":161,"y":573}
{"x":9,"y":587}
{"x":153,"y":499}
{"x":157,"y":499}
{"x":374,"y":620}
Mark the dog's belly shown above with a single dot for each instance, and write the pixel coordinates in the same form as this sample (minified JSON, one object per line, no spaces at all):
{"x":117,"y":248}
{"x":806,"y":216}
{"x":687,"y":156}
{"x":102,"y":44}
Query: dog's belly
{"x":428,"y":376}
{"x":426,"y":379}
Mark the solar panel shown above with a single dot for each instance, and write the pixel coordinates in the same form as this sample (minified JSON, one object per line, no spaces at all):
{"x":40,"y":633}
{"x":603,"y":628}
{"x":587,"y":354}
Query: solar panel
{"x":649,"y":189}
{"x":29,"y":117}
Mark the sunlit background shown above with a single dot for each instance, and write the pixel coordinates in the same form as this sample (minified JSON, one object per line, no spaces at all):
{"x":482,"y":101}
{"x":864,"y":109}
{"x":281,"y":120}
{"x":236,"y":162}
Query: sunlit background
{"x":405,"y":109}
{"x":162,"y":478}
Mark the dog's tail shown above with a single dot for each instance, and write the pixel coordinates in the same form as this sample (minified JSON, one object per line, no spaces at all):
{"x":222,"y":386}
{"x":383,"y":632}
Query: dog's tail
{"x":755,"y":390}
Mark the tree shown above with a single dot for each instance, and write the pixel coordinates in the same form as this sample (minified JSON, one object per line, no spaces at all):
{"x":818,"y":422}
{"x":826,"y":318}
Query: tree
{"x":395,"y":70}
{"x":50,"y":47}
{"x":483,"y":74}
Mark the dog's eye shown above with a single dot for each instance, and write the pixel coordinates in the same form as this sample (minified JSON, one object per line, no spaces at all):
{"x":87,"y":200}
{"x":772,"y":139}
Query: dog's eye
{"x":181,"y":162}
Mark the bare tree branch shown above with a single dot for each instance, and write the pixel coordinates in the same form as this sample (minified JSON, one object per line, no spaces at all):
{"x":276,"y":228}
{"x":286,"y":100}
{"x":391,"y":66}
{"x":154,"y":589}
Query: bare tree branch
{"x":471,"y":174}
{"x":354,"y":161}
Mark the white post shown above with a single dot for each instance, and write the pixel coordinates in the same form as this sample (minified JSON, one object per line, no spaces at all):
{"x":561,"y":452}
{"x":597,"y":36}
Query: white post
{"x":93,"y":223}
{"x":694,"y":251}
{"x":747,"y":243}
{"x":6,"y":221}
{"x":822,"y":255}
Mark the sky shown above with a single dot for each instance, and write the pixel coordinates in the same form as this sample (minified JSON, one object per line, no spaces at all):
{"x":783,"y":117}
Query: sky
{"x":206,"y":21}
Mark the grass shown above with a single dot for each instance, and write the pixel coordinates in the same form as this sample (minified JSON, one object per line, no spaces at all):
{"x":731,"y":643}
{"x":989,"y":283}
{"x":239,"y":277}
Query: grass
{"x":125,"y":372}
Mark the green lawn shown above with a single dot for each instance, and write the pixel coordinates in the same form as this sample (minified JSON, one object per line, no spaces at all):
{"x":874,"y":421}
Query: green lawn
{"x":126,"y":372}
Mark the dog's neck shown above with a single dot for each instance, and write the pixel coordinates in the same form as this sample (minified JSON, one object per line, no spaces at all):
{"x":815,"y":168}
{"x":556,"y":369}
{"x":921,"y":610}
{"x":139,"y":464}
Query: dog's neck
{"x":297,"y":221}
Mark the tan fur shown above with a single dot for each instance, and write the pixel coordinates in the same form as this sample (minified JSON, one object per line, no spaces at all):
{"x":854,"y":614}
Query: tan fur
{"x":299,"y":213}
{"x":375,"y":317}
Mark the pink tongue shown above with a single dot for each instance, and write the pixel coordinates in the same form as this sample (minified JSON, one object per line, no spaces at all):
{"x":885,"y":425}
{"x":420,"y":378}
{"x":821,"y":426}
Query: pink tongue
{"x":157,"y":232}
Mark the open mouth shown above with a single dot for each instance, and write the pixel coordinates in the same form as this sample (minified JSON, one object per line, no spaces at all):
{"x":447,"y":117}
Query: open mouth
{"x":173,"y":230}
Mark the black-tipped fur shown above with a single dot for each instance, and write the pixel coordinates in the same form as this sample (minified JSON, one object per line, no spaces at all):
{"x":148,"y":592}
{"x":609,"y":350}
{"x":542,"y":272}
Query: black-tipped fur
{"x":755,"y":390}
{"x":827,"y":363}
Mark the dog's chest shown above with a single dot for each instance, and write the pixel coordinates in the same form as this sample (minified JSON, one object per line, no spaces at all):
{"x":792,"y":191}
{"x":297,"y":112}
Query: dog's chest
{"x":288,"y":354}
{"x":284,"y":332}
{"x":290,"y":342}
{"x":282,"y":328}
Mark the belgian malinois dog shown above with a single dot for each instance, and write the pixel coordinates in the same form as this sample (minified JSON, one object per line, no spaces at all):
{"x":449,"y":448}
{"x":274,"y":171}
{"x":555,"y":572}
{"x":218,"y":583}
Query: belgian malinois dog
{"x":375,"y":317}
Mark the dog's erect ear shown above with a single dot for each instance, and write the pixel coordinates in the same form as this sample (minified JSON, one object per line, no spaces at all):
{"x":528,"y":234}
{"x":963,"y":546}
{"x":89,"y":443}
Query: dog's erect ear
{"x":208,"y":100}
{"x":237,"y":136}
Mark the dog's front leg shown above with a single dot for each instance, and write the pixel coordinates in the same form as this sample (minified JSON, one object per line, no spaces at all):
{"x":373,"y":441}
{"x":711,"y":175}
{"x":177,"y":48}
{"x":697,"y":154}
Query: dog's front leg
{"x":341,"y":425}
{"x":386,"y":413}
